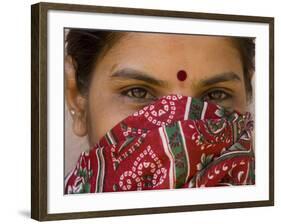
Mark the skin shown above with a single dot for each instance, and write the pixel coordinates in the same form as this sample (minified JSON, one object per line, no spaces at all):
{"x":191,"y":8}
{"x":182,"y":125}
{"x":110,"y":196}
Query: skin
{"x":142,"y":67}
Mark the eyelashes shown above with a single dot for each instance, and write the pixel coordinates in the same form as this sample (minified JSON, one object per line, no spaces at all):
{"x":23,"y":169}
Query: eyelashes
{"x":136,"y":92}
{"x":140,"y":94}
{"x":216,"y":95}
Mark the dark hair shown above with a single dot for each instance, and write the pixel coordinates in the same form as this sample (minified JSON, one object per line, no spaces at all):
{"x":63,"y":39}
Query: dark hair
{"x":246,"y":47}
{"x":86,"y":47}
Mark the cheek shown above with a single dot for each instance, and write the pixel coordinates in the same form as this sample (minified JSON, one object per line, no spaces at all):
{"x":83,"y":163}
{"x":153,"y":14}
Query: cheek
{"x":105,"y":108}
{"x":101,"y":119}
{"x":105,"y":112}
{"x":240,"y":103}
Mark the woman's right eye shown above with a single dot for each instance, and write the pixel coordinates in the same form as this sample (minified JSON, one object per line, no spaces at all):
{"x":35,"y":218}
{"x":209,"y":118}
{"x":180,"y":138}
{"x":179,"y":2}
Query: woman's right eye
{"x":138,"y":93}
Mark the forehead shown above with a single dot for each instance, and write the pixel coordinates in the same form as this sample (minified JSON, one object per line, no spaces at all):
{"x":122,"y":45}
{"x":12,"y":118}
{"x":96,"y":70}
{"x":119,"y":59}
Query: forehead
{"x":175,"y":47}
{"x":167,"y":53}
{"x":173,"y":41}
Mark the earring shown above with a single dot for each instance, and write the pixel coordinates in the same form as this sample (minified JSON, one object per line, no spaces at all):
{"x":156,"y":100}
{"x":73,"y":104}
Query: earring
{"x":72,"y":112}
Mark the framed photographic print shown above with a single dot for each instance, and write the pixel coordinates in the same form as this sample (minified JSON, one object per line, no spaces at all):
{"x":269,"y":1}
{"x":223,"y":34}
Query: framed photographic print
{"x":141,"y":111}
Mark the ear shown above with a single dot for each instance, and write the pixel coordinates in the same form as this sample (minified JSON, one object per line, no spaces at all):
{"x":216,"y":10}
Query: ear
{"x":76,"y":103}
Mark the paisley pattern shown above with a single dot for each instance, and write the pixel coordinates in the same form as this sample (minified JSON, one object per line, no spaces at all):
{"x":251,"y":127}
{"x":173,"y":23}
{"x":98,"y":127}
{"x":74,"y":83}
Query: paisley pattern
{"x":176,"y":142}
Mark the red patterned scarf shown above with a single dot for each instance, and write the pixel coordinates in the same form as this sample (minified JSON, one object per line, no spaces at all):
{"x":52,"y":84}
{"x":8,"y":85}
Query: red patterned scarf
{"x":176,"y":142}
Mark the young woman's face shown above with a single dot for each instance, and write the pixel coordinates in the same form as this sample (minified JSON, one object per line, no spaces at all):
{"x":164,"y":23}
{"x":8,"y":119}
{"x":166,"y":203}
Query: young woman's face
{"x":141,"y":67}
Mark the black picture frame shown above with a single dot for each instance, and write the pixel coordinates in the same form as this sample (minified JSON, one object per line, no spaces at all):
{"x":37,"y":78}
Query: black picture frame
{"x":39,"y":106}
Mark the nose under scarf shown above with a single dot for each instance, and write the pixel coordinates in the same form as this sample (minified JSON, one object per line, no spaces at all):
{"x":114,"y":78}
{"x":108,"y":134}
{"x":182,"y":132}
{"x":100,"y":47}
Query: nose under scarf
{"x":176,"y":142}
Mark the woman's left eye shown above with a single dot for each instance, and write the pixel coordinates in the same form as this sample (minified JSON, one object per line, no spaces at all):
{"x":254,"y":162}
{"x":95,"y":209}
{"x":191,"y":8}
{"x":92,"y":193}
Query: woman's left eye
{"x":216,"y":96}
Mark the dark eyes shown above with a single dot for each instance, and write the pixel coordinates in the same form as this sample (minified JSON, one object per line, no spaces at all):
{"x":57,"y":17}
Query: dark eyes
{"x":138,"y":93}
{"x":141,"y":94}
{"x":216,"y":96}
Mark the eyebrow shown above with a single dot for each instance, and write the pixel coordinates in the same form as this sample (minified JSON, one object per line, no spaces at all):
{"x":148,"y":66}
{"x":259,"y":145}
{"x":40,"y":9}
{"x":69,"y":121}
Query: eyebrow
{"x":222,"y":77}
{"x":134,"y":74}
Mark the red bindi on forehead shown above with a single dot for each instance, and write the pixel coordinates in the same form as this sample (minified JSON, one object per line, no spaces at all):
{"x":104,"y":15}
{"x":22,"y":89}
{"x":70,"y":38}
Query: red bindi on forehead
{"x":181,"y":75}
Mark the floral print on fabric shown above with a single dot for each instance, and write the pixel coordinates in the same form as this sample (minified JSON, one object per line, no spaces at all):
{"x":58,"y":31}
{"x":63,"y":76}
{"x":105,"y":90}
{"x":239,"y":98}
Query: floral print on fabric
{"x":176,"y":142}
